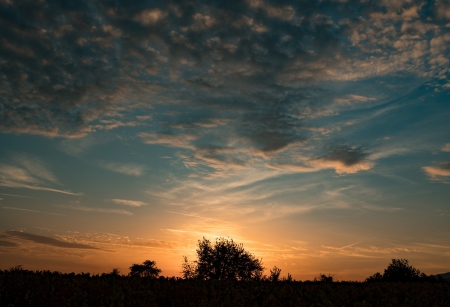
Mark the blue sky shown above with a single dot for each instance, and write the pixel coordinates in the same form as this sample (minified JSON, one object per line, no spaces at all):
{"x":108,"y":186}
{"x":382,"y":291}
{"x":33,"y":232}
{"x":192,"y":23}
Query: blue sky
{"x":316,"y":133}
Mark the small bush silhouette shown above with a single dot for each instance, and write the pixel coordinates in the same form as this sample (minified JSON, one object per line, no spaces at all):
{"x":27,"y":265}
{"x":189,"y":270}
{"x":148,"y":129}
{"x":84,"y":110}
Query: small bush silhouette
{"x":275,"y":274}
{"x":146,"y":269}
{"x":324,"y":278}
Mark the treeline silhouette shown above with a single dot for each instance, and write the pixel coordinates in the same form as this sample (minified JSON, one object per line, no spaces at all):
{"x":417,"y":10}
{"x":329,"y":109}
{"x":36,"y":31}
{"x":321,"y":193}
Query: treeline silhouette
{"x":224,"y":274}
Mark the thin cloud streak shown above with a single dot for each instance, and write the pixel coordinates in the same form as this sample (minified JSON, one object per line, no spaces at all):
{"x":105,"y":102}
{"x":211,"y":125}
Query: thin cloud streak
{"x":13,"y":195}
{"x":131,"y":203}
{"x":130,"y":169}
{"x":47,"y":240}
{"x":192,"y":215}
{"x":34,"y":211}
{"x":100,"y":210}
{"x":31,"y":174}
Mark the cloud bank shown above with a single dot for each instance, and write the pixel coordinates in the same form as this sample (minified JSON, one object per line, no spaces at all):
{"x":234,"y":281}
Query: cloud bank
{"x":47,"y":240}
{"x":227,"y":82}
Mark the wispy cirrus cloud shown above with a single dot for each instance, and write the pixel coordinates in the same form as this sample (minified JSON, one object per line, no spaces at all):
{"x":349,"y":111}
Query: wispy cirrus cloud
{"x":169,"y":139}
{"x":131,"y":203}
{"x":47,"y":240}
{"x":352,"y":98}
{"x":130,"y":169}
{"x":33,"y":211}
{"x":92,"y":209}
{"x":29,"y":173}
{"x":115,"y":240}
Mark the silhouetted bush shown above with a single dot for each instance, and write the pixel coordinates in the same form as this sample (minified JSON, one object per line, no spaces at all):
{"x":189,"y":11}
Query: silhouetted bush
{"x":377,"y":277}
{"x":226,"y":260}
{"x":324,"y":278}
{"x":399,"y":270}
{"x":275,"y":274}
{"x":146,"y":269}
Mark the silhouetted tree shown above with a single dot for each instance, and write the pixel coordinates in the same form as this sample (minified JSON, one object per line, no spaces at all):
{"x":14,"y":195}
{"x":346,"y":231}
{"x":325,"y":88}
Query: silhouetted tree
{"x":288,"y":278}
{"x":188,"y":268}
{"x":146,"y":269}
{"x":226,"y":260}
{"x":400,"y":270}
{"x":115,"y":272}
{"x":275,"y":274}
{"x":324,"y":278}
{"x":377,"y":277}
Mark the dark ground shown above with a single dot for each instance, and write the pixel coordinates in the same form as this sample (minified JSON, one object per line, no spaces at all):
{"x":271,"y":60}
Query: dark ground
{"x":26,"y":288}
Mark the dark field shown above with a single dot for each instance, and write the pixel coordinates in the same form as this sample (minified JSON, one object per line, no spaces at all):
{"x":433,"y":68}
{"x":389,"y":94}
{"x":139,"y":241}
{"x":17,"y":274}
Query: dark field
{"x":26,"y":288}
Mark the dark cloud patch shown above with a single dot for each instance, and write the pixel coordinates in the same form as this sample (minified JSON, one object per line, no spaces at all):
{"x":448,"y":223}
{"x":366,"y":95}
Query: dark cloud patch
{"x":348,"y":155}
{"x":8,"y":244}
{"x":47,"y":240}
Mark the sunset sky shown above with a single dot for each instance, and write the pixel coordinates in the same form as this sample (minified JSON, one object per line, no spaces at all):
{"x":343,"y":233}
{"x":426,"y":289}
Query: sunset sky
{"x":316,"y":133}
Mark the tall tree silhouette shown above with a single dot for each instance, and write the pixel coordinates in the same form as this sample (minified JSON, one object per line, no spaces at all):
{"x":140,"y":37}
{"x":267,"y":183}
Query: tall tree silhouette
{"x":226,"y":260}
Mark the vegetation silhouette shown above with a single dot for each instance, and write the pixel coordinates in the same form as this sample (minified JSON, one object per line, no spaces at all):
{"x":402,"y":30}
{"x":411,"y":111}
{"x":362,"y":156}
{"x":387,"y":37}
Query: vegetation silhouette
{"x":399,"y":270}
{"x":226,"y":260}
{"x":324,"y":278}
{"x":226,"y":264}
{"x":274,"y":274}
{"x":20,"y":287}
{"x":146,"y":269}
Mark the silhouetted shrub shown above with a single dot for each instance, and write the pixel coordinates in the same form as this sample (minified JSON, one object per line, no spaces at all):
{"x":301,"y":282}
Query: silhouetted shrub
{"x":399,"y":270}
{"x":275,"y":274}
{"x":324,"y":278}
{"x":377,"y":277}
{"x":146,"y":269}
{"x":226,"y":260}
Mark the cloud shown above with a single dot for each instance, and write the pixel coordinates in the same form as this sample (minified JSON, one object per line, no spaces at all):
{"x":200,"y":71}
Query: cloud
{"x":438,"y":172}
{"x":34,"y":211}
{"x":283,"y":13}
{"x":8,"y":244}
{"x":117,"y":241}
{"x":101,"y":210}
{"x":130,"y":169}
{"x":369,"y":251}
{"x":131,"y":203}
{"x":226,"y":86}
{"x":446,"y":147}
{"x":168,"y":139}
{"x":144,"y":117}
{"x":150,"y":16}
{"x":343,"y":159}
{"x":35,"y":167}
{"x":29,"y":173}
{"x":349,"y":99}
{"x":47,"y":240}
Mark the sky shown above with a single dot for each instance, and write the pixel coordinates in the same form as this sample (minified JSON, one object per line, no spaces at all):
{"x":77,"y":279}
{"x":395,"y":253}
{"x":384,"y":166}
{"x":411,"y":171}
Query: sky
{"x":315,"y":133}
